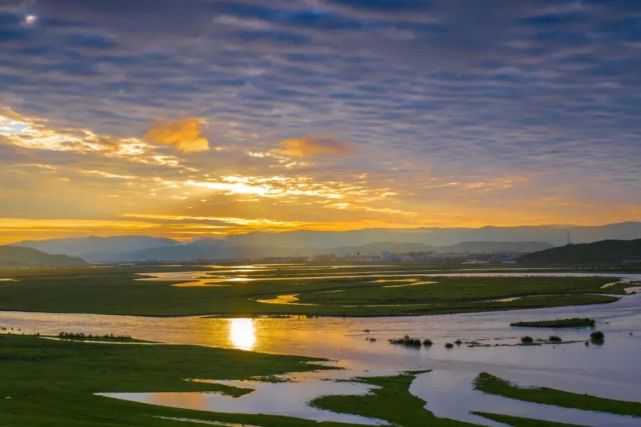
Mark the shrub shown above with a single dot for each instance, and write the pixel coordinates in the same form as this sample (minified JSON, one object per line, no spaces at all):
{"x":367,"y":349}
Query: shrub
{"x":449,"y":345}
{"x":427,"y":342}
{"x":526,"y":340}
{"x":554,"y":338}
{"x":407,"y":341}
{"x":597,"y":337}
{"x":82,"y":336}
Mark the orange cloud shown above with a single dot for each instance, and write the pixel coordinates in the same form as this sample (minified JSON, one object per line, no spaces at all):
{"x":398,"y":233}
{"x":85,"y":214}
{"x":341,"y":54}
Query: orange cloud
{"x":185,"y":135}
{"x":34,"y":133}
{"x":310,"y":146}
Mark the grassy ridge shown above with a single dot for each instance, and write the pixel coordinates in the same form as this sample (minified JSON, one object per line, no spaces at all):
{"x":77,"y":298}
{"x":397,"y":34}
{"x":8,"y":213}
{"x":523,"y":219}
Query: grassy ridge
{"x":602,"y":253}
{"x":116,"y":291}
{"x":490,"y":384}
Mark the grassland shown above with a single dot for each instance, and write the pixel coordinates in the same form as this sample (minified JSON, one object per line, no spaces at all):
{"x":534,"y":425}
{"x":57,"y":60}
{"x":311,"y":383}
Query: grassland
{"x":311,"y":291}
{"x":490,"y":384}
{"x":522,"y":422}
{"x":575,"y":322}
{"x":52,"y":383}
{"x":389,"y":401}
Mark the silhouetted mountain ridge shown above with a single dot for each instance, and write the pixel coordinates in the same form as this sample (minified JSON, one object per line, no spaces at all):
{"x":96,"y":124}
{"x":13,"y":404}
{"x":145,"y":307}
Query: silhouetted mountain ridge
{"x":17,"y":257}
{"x":605,"y":252}
{"x":92,"y":246}
{"x":308,"y":243}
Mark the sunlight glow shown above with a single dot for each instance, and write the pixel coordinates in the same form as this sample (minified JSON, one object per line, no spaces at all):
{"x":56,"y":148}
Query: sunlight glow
{"x":242,"y":333}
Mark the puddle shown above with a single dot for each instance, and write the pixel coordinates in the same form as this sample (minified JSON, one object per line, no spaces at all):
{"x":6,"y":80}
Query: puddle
{"x":413,"y":283}
{"x":187,"y":278}
{"x":289,"y":299}
{"x":507,"y":299}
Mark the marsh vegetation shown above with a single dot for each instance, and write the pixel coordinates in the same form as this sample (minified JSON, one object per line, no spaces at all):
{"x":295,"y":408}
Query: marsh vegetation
{"x":575,"y":322}
{"x":53,"y":383}
{"x":494,"y":385}
{"x":406,"y":341}
{"x":527,"y":340}
{"x":319,"y":290}
{"x":597,"y":337}
{"x":80,"y":336}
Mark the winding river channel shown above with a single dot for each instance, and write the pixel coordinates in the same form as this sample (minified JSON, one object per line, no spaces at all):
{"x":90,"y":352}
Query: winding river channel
{"x":361,"y":347}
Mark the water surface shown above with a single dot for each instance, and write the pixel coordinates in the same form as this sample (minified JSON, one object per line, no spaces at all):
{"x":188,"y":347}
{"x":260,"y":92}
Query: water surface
{"x":611,"y":370}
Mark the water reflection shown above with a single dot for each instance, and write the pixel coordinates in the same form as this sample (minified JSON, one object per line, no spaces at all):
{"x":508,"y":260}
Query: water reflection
{"x":181,"y":400}
{"x":610,"y":371}
{"x":242,"y":333}
{"x":288,"y":398}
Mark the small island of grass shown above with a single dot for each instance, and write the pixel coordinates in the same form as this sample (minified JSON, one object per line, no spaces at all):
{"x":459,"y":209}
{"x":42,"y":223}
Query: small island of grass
{"x":527,"y":340}
{"x":574,"y":322}
{"x":597,"y":337}
{"x":407,"y":341}
{"x":488,"y":383}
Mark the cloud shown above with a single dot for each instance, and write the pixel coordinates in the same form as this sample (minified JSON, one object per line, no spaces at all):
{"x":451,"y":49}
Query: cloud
{"x":35,"y":133}
{"x":310,"y":146}
{"x":185,"y":135}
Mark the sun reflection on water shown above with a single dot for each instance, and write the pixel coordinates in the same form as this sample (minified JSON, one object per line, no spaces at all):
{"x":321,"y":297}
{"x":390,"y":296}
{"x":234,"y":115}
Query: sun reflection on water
{"x":242,"y":333}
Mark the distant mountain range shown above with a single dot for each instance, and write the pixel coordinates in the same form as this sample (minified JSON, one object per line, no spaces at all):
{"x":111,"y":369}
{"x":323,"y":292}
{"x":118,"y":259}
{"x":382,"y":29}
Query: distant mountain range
{"x":603,"y":253}
{"x":16,"y":257}
{"x":556,"y":235}
{"x":220,"y":250}
{"x":308,"y":243}
{"x":93,"y":247}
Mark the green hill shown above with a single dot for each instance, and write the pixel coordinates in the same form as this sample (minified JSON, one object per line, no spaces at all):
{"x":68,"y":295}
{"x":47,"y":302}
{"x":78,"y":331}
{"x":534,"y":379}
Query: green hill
{"x":603,"y":253}
{"x":17,"y":257}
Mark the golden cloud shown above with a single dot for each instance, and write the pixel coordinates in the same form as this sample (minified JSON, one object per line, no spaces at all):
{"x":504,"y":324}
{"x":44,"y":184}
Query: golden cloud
{"x":35,"y":134}
{"x":185,"y":135}
{"x":310,"y":146}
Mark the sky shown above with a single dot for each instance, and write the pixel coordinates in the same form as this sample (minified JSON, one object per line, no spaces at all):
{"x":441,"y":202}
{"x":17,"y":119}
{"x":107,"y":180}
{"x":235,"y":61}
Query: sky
{"x":198,"y":118}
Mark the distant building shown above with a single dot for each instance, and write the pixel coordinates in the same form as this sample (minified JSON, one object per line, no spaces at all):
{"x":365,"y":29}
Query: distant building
{"x":324,"y":258}
{"x":476,"y":261}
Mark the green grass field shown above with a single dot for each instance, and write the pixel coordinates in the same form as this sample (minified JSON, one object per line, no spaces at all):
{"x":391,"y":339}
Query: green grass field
{"x":522,"y":422}
{"x":52,"y":383}
{"x":49,"y":383}
{"x":490,"y":384}
{"x":390,"y":401}
{"x":315,"y":291}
